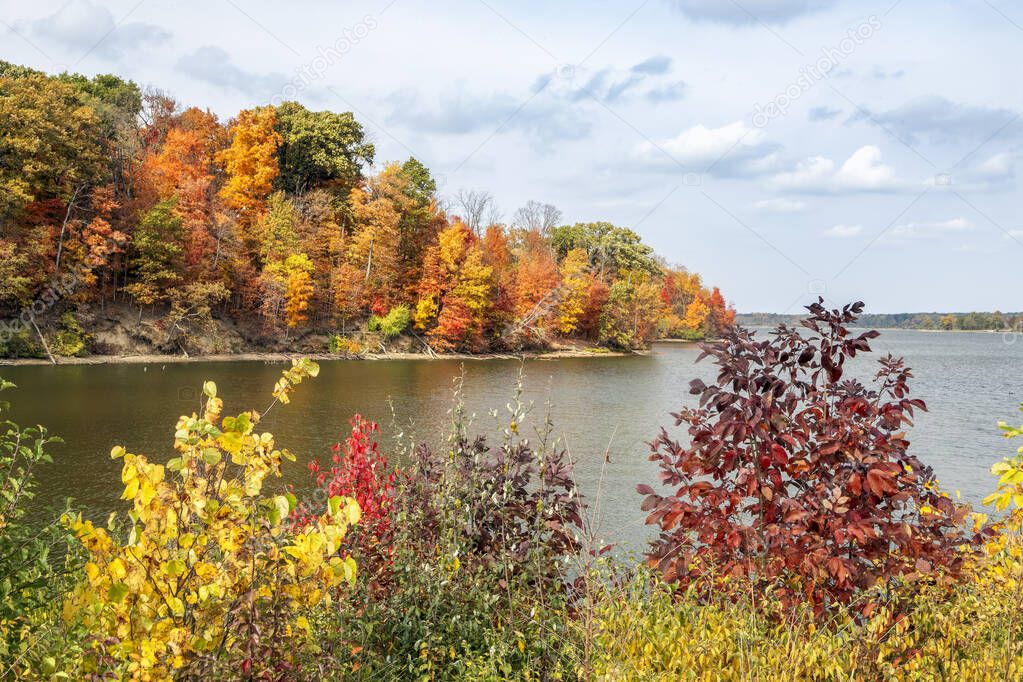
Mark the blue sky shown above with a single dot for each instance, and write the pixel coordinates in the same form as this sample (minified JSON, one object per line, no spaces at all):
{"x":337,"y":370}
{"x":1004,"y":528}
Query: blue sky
{"x":782,"y":148}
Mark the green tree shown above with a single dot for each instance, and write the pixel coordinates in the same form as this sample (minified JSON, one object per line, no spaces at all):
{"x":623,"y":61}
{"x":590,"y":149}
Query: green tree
{"x":276,"y":231}
{"x":612,"y":250}
{"x":156,"y":248}
{"x":319,"y":148}
{"x":421,"y":186}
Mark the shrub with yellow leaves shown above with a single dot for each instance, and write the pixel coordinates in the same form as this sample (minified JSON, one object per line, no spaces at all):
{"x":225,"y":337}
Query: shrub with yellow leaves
{"x":205,"y":577}
{"x":651,"y":632}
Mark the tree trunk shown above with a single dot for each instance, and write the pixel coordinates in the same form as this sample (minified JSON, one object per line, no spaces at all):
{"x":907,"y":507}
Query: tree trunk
{"x":63,"y":228}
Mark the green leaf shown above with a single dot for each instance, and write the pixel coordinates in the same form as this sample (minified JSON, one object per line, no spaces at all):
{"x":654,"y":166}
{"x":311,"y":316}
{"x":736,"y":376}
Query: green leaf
{"x":210,"y":389}
{"x":117,"y":592}
{"x":334,"y":504}
{"x":48,"y":665}
{"x":211,"y":456}
{"x":175,"y":567}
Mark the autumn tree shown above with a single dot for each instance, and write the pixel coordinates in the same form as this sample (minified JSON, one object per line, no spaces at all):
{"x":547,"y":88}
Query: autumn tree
{"x":250,"y":162}
{"x":576,"y":281}
{"x":51,"y":145}
{"x":630,"y":315}
{"x":275,"y":235}
{"x":455,"y":291}
{"x":536,"y":287}
{"x":497,"y":254}
{"x":375,"y":243}
{"x":299,"y":289}
{"x":460,"y":324}
{"x":86,"y":246}
{"x":184,"y":167}
{"x":691,"y":310}
{"x":722,"y":316}
{"x":15,"y":285}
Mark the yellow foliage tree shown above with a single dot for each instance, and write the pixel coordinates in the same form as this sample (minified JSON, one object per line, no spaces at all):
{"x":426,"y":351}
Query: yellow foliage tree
{"x":251,"y":161}
{"x":210,"y":576}
{"x":575,"y":281}
{"x":300,"y":289}
{"x":696,"y":315}
{"x":374,"y":244}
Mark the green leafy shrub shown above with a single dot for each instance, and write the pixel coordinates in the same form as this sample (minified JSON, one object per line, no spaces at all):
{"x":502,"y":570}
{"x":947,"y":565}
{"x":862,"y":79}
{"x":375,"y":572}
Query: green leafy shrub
{"x":393,"y":323}
{"x":483,"y":539}
{"x":20,"y":343}
{"x":71,"y":341}
{"x":34,"y":556}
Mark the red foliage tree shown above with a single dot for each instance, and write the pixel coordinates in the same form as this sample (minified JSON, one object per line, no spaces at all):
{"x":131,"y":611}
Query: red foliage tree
{"x":722,"y":316}
{"x":796,"y":477}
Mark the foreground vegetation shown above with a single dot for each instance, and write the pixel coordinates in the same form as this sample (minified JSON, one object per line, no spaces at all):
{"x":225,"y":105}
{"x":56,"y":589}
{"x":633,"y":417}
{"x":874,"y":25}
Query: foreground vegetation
{"x":798,"y":538}
{"x":131,"y":225}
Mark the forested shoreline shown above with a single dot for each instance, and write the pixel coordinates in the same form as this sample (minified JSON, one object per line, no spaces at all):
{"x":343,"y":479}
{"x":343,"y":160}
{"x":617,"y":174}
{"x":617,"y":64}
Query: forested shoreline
{"x":972,"y":321}
{"x":130,"y":224}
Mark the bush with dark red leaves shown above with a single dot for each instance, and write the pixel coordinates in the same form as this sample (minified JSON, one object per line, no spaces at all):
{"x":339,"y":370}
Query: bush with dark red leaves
{"x":797,"y":477}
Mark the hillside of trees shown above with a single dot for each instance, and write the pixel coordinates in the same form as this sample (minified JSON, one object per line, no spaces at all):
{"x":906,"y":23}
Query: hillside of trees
{"x":996,"y":321}
{"x":128,"y":222}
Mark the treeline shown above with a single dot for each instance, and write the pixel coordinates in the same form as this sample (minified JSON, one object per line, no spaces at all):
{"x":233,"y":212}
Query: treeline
{"x":115,"y":196}
{"x":996,"y":321}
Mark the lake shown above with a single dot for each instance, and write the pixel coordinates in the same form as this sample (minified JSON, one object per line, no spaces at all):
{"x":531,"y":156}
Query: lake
{"x":599,"y":404}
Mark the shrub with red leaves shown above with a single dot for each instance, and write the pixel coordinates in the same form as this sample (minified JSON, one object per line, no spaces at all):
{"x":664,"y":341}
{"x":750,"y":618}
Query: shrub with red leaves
{"x":359,"y":470}
{"x":796,"y":477}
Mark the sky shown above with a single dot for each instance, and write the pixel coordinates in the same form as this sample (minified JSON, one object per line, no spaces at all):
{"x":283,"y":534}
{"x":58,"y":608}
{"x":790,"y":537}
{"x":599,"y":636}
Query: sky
{"x":784,"y":149}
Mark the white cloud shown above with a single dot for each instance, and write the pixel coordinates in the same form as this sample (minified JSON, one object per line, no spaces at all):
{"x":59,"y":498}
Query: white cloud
{"x":999,"y":167}
{"x":780,"y":205}
{"x":864,"y":171}
{"x":917,"y":231}
{"x":84,"y":27}
{"x":844,"y":231}
{"x":733,"y":150}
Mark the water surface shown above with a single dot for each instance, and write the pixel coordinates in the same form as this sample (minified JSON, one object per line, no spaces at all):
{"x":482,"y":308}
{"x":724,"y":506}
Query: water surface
{"x":600,"y":404}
